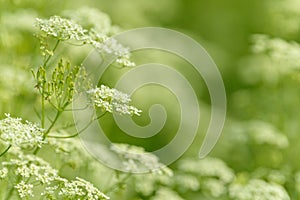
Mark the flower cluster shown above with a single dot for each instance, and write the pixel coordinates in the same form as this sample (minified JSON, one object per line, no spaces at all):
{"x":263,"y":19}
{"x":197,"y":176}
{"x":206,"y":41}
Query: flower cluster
{"x":147,"y":184}
{"x":107,"y":45}
{"x":36,"y":173}
{"x":166,"y":193}
{"x":258,"y":189}
{"x":25,"y":135}
{"x":24,"y":189}
{"x":92,"y":19}
{"x":80,"y":188}
{"x":259,"y":133}
{"x":30,"y":166}
{"x":285,"y":55}
{"x":61,"y":28}
{"x":136,"y":159}
{"x":213,"y":173}
{"x":3,"y":173}
{"x":208,"y":167}
{"x":112,"y":100}
{"x":71,"y":152}
{"x":282,"y":17}
{"x":64,"y":29}
{"x":185,"y":182}
{"x":264,"y":133}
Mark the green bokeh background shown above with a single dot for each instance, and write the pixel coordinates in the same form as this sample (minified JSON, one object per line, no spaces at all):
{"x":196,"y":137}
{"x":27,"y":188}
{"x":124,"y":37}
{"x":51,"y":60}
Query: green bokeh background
{"x":223,"y":28}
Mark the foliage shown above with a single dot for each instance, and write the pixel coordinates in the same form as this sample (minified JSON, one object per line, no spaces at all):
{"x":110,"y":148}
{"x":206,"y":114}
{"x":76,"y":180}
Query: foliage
{"x":256,"y":46}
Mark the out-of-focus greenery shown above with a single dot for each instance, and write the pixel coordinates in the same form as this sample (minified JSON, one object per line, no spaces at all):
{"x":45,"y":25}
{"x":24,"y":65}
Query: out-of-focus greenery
{"x":259,"y":147}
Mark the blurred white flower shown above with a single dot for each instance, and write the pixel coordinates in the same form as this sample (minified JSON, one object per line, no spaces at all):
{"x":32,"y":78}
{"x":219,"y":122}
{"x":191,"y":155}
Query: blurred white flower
{"x":257,"y":189}
{"x":166,"y":193}
{"x":282,"y":17}
{"x":263,"y":133}
{"x":214,"y":187}
{"x":92,"y":18}
{"x":136,"y":159}
{"x":208,"y":167}
{"x":3,"y":173}
{"x":186,"y":182}
{"x":284,"y":55}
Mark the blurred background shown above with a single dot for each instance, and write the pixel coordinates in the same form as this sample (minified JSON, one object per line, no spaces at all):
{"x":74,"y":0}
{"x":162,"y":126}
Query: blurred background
{"x":260,"y":72}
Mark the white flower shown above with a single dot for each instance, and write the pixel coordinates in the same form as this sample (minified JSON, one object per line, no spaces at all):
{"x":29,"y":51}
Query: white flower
{"x":25,"y":135}
{"x":61,"y":28}
{"x":257,"y":189}
{"x":107,"y":45}
{"x":208,"y":167}
{"x":112,"y":100}
{"x":214,"y":187}
{"x":92,"y":18}
{"x":136,"y":159}
{"x":3,"y":173}
{"x":284,"y":55}
{"x":264,"y":133}
{"x":166,"y":193}
{"x":24,"y":189}
{"x":282,"y":17}
{"x":64,"y":29}
{"x":81,"y":188}
{"x":32,"y":166}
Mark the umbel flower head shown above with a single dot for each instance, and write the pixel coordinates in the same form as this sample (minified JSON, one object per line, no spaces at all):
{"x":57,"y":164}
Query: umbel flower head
{"x":61,"y":28}
{"x":112,"y":100}
{"x":25,"y":135}
{"x":258,"y":189}
{"x":64,"y":29}
{"x":37,"y":178}
{"x":136,"y":159}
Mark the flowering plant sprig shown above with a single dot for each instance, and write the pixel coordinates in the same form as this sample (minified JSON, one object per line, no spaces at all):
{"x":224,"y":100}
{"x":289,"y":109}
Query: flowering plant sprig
{"x":63,"y":29}
{"x":57,"y":83}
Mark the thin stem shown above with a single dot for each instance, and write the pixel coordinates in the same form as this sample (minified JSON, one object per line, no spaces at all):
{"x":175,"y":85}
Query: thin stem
{"x":9,"y":194}
{"x":42,"y":92}
{"x":47,"y":60}
{"x":117,"y":185}
{"x":49,"y":129}
{"x":79,"y":132}
{"x":58,"y":113}
{"x":43,"y":111}
{"x":6,"y":150}
{"x":11,"y":190}
{"x":77,"y":109}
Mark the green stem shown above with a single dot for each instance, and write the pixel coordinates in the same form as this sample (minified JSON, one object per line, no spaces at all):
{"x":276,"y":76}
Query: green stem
{"x":5,"y":150}
{"x":9,"y":194}
{"x":78,"y":133}
{"x":11,"y":190}
{"x":118,"y":184}
{"x":43,"y":97}
{"x":55,"y":47}
{"x":43,"y":111}
{"x":59,"y":112}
